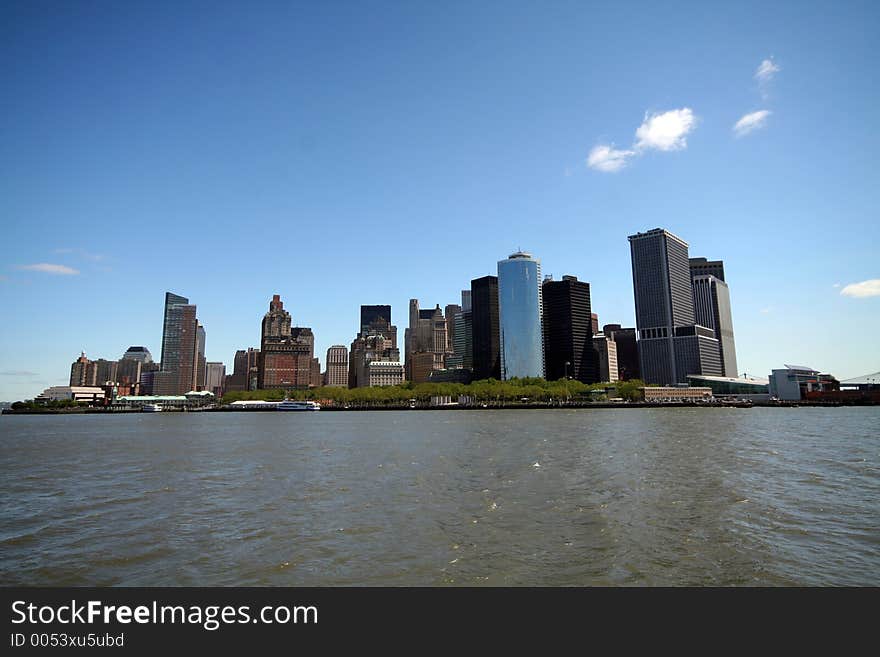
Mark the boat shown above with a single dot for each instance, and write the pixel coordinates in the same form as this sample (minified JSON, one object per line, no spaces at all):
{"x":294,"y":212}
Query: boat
{"x":151,"y":408}
{"x":288,"y":405}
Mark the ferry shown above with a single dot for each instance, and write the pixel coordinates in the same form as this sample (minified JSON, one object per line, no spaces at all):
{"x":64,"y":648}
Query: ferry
{"x":288,"y":405}
{"x":151,"y":408}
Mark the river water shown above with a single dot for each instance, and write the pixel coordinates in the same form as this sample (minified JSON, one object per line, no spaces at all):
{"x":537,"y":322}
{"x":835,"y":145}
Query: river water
{"x":761,"y":496}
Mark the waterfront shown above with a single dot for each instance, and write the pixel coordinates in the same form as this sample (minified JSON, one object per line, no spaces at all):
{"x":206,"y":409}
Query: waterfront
{"x":564,"y":497}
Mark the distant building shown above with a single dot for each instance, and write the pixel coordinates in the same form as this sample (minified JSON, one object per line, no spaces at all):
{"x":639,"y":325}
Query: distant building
{"x":670,"y":344}
{"x":427,"y":334}
{"x":725,"y":386}
{"x":519,"y":316}
{"x":337,"y":366}
{"x":245,"y":371}
{"x":568,"y":348}
{"x":594,"y":323}
{"x":384,"y":373}
{"x":793,"y":382}
{"x":377,"y":341}
{"x":606,"y":351}
{"x":286,"y":352}
{"x":486,"y":345}
{"x":180,"y":348}
{"x":627,"y":351}
{"x":215,"y":378}
{"x":140,"y":354}
{"x":675,"y":393}
{"x":80,"y":372}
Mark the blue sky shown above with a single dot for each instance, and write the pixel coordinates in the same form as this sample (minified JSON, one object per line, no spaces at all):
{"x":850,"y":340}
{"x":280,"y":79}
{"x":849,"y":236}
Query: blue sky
{"x":347,"y":153}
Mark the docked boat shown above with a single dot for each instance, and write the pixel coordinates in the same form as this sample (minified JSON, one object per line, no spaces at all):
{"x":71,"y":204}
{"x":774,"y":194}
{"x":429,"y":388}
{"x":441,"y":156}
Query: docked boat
{"x":151,"y":408}
{"x":288,"y":405}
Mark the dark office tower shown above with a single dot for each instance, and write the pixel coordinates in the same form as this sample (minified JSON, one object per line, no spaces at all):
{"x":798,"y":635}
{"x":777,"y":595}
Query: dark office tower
{"x":594,"y":321}
{"x":450,"y":311}
{"x":177,"y":375}
{"x":370,"y":314}
{"x":701,"y":266}
{"x":712,"y":308}
{"x":627,"y":351}
{"x":485,"y":328}
{"x":568,"y":334}
{"x":140,"y":354}
{"x":665,"y":311}
{"x":200,"y":362}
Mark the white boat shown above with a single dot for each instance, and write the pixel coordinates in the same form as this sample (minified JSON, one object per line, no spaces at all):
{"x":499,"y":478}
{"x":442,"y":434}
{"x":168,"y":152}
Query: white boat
{"x":288,"y":405}
{"x":151,"y":408}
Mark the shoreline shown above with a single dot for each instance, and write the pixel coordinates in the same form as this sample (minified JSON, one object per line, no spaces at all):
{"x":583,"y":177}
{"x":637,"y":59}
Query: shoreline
{"x":455,"y":407}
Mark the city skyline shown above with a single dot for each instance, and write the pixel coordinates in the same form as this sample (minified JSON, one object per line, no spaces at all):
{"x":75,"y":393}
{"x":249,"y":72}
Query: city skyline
{"x":751,"y":139}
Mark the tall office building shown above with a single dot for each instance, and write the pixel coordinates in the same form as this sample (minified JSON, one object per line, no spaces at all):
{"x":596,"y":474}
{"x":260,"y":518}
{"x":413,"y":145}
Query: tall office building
{"x":701,"y":267}
{"x":245,"y":371}
{"x":449,"y":312}
{"x":105,"y":371}
{"x":286,"y":352}
{"x":627,"y":351}
{"x":427,"y":334}
{"x":215,"y":378}
{"x":606,"y":350}
{"x":81,"y":374}
{"x":594,"y":323}
{"x":519,"y":316}
{"x":336,"y":374}
{"x":568,"y":344}
{"x":200,"y":363}
{"x":670,"y":345}
{"x":486,"y":344}
{"x":140,"y":354}
{"x":178,"y":371}
{"x":371,"y":314}
{"x":712,"y":309}
{"x":375,"y":343}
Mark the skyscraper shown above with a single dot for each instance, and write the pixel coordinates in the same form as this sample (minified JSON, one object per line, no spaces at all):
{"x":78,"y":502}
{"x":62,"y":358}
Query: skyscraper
{"x":337,"y":366}
{"x":375,"y":343}
{"x":199,"y":366}
{"x":568,"y":344}
{"x":370,"y":315}
{"x":286,"y":352}
{"x":712,"y":309}
{"x":81,"y":374}
{"x":427,"y":334}
{"x":178,"y":371}
{"x":701,"y":266}
{"x":486,"y":349}
{"x":670,"y":347}
{"x":215,"y":378}
{"x":519,"y":316}
{"x":627,"y":351}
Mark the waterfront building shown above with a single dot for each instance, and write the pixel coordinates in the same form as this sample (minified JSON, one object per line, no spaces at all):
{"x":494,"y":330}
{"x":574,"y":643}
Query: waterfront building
{"x":795,"y":381}
{"x":675,"y":393}
{"x":215,"y":378}
{"x":670,"y":345}
{"x":568,"y":347}
{"x":384,"y":373}
{"x":337,"y":366}
{"x":286,"y":352}
{"x":627,"y":350}
{"x":712,"y":309}
{"x":606,"y":352}
{"x":179,"y":365}
{"x":726,"y":386}
{"x":90,"y":395}
{"x":486,"y":338}
{"x":519,"y":316}
{"x":703,"y":267}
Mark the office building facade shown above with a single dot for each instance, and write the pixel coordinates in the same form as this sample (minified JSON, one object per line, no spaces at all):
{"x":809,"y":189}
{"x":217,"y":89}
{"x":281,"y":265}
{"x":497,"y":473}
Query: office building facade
{"x":180,"y":349}
{"x":519,"y":316}
{"x":486,"y":349}
{"x":627,"y":351}
{"x":568,"y":346}
{"x":286,"y":352}
{"x":336,"y":374}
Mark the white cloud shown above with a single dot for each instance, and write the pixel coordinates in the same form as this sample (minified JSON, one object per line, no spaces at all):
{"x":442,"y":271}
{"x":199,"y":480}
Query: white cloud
{"x":766,"y":70}
{"x":47,"y":268}
{"x":869,"y":288}
{"x":751,"y":122}
{"x":667,"y":131}
{"x":608,"y":159}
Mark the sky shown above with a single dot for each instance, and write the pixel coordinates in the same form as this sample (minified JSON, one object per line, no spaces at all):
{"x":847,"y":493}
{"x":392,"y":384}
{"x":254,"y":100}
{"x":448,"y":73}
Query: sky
{"x":343,"y":153}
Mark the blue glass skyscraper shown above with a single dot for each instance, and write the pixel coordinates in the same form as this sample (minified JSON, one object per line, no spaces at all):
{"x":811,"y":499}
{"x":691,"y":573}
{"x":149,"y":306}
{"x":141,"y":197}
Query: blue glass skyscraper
{"x":519,"y":310}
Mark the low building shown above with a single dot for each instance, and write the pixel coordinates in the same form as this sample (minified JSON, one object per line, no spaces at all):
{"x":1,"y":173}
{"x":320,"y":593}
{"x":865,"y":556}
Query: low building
{"x":675,"y":393}
{"x":384,"y":373}
{"x":89,"y":394}
{"x":793,"y":382}
{"x":724,"y":386}
{"x":193,"y":399}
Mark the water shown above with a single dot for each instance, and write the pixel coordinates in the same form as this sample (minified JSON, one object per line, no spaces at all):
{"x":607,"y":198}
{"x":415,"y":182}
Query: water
{"x":543,"y":497}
